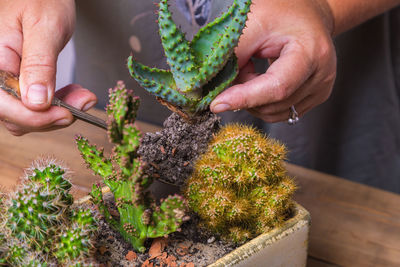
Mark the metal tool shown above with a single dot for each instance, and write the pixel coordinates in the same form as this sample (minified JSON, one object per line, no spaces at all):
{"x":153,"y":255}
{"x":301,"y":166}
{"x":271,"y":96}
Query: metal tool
{"x":10,"y":84}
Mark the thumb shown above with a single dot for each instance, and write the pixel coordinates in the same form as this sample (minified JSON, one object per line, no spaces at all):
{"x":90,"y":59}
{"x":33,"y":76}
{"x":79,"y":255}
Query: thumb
{"x":40,"y":50}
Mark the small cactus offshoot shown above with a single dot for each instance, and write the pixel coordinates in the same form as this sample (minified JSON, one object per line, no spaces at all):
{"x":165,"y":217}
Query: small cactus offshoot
{"x":37,"y":217}
{"x":200,"y":69}
{"x":240,"y":187}
{"x":139,"y":215}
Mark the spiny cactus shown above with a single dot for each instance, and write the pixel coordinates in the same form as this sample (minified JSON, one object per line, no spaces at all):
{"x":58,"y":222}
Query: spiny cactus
{"x":200,"y":69}
{"x":46,"y":193}
{"x":74,"y":240}
{"x":240,"y":187}
{"x":18,"y":254}
{"x":139,"y":216}
{"x":38,"y":217}
{"x":3,"y":247}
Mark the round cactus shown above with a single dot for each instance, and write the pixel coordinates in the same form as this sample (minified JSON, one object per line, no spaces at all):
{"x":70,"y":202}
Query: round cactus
{"x":38,"y":208}
{"x":18,"y":254}
{"x":240,"y":187}
{"x":74,"y":242}
{"x":39,"y":226}
{"x":2,"y":222}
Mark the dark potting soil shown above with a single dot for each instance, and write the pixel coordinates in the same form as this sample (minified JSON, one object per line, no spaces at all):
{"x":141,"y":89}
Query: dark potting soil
{"x":171,"y":153}
{"x":191,"y":245}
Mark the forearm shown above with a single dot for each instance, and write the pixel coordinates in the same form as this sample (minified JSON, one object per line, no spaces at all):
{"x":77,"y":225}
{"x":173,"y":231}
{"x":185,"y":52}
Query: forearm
{"x":350,"y":13}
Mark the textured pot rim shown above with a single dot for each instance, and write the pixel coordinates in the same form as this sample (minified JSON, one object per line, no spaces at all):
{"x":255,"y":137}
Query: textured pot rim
{"x":299,"y":220}
{"x":302,"y":217}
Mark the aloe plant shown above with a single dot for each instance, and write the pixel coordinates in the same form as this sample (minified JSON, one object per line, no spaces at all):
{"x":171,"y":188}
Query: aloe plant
{"x":199,"y":69}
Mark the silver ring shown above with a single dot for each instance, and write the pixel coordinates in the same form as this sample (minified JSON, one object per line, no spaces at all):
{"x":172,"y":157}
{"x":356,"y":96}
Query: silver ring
{"x":293,"y":116}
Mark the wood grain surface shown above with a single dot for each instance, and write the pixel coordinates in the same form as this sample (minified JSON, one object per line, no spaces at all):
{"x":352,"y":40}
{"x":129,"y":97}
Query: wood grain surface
{"x":352,"y":224}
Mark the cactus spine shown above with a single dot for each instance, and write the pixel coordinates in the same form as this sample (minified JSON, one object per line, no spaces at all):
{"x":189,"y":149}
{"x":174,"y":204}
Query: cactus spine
{"x":38,"y":215}
{"x":139,"y":216}
{"x":200,"y":69}
{"x":240,"y":187}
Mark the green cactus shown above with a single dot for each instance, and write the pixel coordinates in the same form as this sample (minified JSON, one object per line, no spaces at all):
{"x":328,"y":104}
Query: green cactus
{"x":3,"y":244}
{"x":74,"y":241}
{"x":39,"y":207}
{"x":2,"y":217}
{"x":240,"y":187}
{"x":200,"y":69}
{"x":18,"y":254}
{"x":38,"y":217}
{"x":139,"y":216}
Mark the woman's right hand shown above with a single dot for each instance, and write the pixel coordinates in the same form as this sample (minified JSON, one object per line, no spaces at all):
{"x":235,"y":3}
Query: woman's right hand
{"x":32,"y":34}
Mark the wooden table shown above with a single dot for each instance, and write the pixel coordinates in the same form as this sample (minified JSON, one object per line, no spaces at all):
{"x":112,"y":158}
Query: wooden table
{"x":352,"y":224}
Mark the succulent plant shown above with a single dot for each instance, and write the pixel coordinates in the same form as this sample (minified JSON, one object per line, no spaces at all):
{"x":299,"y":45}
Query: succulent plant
{"x":240,"y":187}
{"x":74,"y":240}
{"x":39,"y":207}
{"x":200,"y":69}
{"x":3,"y":247}
{"x":139,"y":217}
{"x":38,"y":217}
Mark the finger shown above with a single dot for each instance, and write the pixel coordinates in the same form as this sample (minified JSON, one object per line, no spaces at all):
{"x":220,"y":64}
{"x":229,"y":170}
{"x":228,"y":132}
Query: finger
{"x":73,"y":94}
{"x":271,"y":118}
{"x":301,"y":108}
{"x":280,"y":81}
{"x":43,"y":40}
{"x":294,"y":99}
{"x":77,"y":96}
{"x":14,"y":129}
{"x":17,"y":130}
{"x":319,"y":85}
{"x":15,"y":112}
{"x":10,"y":50}
{"x":246,"y":73}
{"x":281,"y":106}
{"x":307,"y":104}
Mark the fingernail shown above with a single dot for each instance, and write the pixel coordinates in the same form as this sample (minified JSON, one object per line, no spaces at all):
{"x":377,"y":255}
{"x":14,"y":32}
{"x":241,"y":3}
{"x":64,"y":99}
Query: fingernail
{"x":62,"y":122}
{"x":221,"y":108}
{"x":37,"y":94}
{"x":88,"y":106}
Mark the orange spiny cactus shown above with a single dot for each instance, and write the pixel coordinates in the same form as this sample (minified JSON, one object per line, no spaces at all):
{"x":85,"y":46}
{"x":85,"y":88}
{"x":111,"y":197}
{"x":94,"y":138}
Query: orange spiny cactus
{"x":240,"y":187}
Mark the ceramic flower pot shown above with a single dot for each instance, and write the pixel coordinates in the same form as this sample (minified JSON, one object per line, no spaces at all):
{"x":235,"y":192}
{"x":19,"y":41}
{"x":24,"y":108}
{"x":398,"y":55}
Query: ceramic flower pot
{"x":283,"y":246}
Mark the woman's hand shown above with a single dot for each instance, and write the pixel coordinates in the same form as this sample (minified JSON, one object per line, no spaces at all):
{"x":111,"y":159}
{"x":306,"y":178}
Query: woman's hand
{"x":32,"y":34}
{"x":295,"y":35}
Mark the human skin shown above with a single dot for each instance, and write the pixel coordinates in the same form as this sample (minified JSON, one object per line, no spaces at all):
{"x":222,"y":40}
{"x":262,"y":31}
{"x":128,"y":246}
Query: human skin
{"x":32,"y":34}
{"x":296,"y":37}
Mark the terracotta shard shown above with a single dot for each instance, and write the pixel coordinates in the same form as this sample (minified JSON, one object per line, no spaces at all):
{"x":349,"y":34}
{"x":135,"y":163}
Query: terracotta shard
{"x":157,"y":247}
{"x":182,"y":249}
{"x":162,"y":149}
{"x":147,"y":263}
{"x":131,"y":256}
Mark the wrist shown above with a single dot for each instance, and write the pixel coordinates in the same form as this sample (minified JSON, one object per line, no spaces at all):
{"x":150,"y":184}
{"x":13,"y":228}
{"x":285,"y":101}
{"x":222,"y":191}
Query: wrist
{"x":327,"y":15}
{"x":350,"y":13}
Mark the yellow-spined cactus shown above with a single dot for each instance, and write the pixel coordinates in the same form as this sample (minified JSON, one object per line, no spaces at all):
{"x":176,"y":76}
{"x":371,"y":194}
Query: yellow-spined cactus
{"x":240,"y":187}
